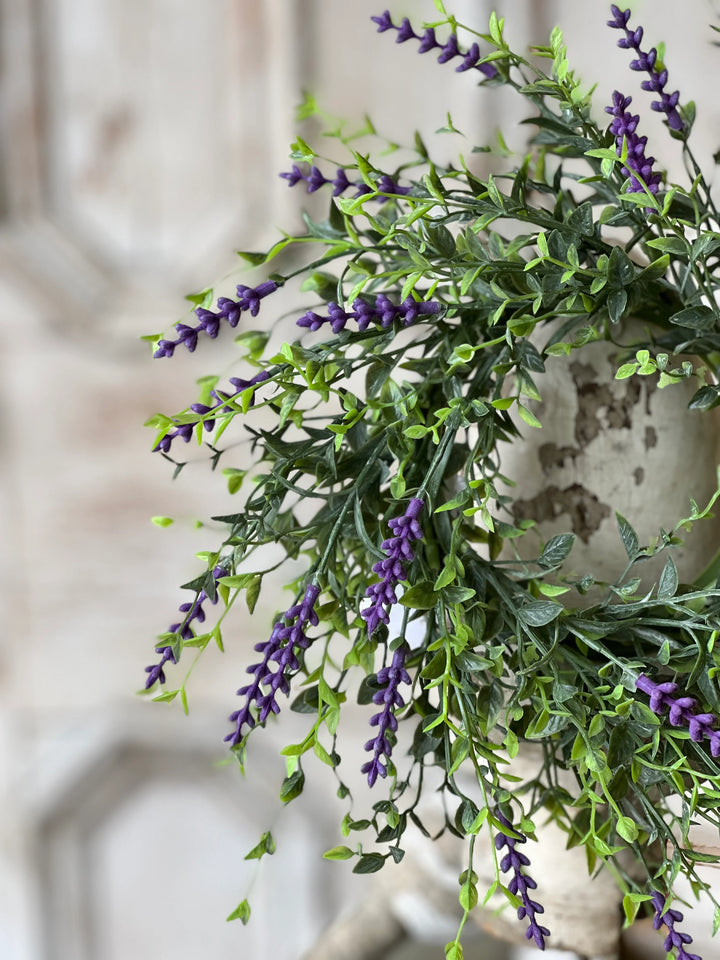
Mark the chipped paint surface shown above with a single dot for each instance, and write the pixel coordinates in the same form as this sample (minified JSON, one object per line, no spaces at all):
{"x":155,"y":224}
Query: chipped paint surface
{"x":612,"y":445}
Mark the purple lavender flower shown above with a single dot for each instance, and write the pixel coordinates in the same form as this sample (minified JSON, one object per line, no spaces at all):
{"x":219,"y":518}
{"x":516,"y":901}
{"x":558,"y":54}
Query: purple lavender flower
{"x":287,"y":637}
{"x":193,"y":611}
{"x":229,"y":310}
{"x":391,"y":569}
{"x":390,"y":678}
{"x":668,"y":918}
{"x":521,"y":883}
{"x":185,"y":430}
{"x":383,"y":313}
{"x":315,"y":179}
{"x":624,"y":129}
{"x":680,"y":711}
{"x":645,"y":62}
{"x":448,"y":51}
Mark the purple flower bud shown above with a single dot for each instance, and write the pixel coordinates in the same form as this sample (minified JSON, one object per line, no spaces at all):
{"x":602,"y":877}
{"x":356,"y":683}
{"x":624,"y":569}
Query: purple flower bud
{"x":470,"y":59}
{"x":450,"y":49}
{"x":293,"y":176}
{"x":405,"y":32}
{"x":340,"y":183}
{"x":384,"y":22}
{"x":428,"y":41}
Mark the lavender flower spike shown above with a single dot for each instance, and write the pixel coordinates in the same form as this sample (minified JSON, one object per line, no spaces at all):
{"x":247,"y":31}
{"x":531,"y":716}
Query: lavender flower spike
{"x":229,"y":310}
{"x":315,"y":179}
{"x":624,"y":129}
{"x":680,"y":713}
{"x":521,"y":882}
{"x":668,"y":918}
{"x":390,"y":678}
{"x":184,"y":630}
{"x":645,"y":62}
{"x":382,"y":313}
{"x":185,"y":430}
{"x":288,"y":636}
{"x":448,"y":50}
{"x":405,"y":530}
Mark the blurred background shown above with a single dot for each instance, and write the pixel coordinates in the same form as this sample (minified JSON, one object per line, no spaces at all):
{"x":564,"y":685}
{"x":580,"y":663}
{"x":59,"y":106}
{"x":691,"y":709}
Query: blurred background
{"x":140,"y":142}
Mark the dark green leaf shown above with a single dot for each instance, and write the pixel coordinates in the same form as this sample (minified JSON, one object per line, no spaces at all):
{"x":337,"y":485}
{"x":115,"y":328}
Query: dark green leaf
{"x":616,"y":302}
{"x":292,"y":786}
{"x":696,"y":318}
{"x":628,"y":536}
{"x":369,"y":863}
{"x":556,"y":549}
{"x":539,"y":612}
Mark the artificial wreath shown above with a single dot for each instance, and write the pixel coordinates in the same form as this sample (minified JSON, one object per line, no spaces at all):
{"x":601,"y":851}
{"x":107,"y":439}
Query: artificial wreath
{"x":438,"y":298}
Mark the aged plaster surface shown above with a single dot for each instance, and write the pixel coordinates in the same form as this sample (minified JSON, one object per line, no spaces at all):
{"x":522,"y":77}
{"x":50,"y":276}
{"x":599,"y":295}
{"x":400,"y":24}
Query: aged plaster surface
{"x":614,"y":445}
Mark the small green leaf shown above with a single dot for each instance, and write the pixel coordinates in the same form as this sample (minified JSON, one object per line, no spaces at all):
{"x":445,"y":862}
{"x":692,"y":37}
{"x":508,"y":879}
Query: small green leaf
{"x":162,"y":521}
{"x":338,"y":853}
{"x":528,"y":416}
{"x":556,"y":550}
{"x":627,"y":829}
{"x":241,"y":912}
{"x":265,"y":845}
{"x":628,"y":536}
{"x":668,"y":584}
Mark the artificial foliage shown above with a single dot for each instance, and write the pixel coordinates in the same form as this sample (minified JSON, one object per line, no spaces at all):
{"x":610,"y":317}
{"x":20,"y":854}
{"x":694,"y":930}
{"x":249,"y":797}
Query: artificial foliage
{"x":429,"y":301}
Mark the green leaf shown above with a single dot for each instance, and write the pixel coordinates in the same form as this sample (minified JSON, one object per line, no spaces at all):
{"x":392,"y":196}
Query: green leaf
{"x":627,"y":829}
{"x":668,"y":584}
{"x":292,"y":786}
{"x":162,"y":521}
{"x":468,"y":896}
{"x":528,"y":416}
{"x":539,"y":612}
{"x":625,"y":371}
{"x":369,"y":863}
{"x":628,"y":536}
{"x":673,"y":245}
{"x":241,"y":912}
{"x":265,"y":845}
{"x":420,"y":597}
{"x":453,"y":951}
{"x":697,"y":318}
{"x":616,"y":303}
{"x":338,"y":853}
{"x":253,"y":592}
{"x":556,"y":550}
